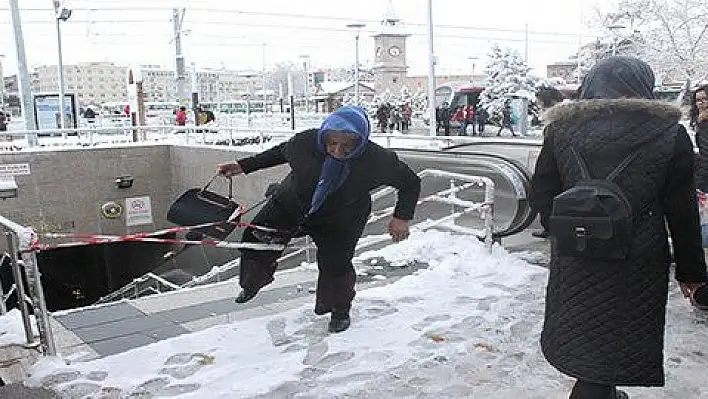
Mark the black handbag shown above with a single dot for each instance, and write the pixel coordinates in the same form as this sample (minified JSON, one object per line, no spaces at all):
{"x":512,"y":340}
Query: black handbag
{"x":198,"y":205}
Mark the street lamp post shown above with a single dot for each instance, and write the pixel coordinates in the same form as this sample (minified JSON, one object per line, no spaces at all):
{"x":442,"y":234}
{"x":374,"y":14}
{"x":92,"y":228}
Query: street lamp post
{"x":433,"y":131}
{"x":473,"y":59}
{"x":614,"y":29}
{"x":60,"y":14}
{"x":356,"y":60}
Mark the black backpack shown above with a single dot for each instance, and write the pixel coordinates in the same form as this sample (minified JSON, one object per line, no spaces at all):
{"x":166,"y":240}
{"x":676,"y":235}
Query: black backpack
{"x":593,"y":219}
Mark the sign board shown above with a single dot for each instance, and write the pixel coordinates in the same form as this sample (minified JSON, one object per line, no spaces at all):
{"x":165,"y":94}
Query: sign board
{"x":138,"y":211}
{"x":15,"y":169}
{"x":46,"y":108}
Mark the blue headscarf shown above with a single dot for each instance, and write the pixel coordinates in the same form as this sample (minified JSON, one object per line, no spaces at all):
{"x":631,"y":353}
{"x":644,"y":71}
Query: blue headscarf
{"x":349,"y":119}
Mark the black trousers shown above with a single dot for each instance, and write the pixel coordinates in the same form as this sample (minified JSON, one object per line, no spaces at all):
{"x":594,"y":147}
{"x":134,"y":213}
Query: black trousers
{"x":591,"y":390}
{"x":336,"y":243}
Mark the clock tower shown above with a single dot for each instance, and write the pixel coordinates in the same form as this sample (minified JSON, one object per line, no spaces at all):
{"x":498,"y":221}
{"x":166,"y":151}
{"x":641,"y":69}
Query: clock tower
{"x":390,"y":68}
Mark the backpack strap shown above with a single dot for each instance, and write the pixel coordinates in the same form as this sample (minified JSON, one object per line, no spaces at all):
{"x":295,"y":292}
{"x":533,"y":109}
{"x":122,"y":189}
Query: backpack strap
{"x":627,"y":160}
{"x":585,"y":174}
{"x":581,"y":163}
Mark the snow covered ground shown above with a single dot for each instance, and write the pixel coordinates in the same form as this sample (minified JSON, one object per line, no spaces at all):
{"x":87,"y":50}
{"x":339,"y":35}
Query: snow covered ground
{"x":465,"y":327}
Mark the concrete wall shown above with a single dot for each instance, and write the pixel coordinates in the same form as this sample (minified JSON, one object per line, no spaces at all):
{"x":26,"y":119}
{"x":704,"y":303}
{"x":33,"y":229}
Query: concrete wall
{"x":194,"y":166}
{"x":66,"y":188}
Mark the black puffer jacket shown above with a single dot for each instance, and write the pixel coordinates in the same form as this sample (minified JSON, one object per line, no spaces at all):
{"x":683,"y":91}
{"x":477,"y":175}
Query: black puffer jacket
{"x":604,"y":321}
{"x":702,"y":167}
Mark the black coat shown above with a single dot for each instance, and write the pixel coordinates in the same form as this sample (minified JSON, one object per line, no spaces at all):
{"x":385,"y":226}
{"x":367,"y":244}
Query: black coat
{"x":702,"y":164}
{"x":604,"y":320}
{"x":374,"y":168}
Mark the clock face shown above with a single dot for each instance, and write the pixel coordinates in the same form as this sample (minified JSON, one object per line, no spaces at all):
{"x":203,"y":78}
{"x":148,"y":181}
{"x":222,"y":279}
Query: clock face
{"x":394,"y":51}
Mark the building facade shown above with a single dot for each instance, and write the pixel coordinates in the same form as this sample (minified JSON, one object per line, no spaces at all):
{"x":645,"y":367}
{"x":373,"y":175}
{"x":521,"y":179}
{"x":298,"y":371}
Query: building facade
{"x":563,"y":70}
{"x":93,"y":83}
{"x":96,"y":83}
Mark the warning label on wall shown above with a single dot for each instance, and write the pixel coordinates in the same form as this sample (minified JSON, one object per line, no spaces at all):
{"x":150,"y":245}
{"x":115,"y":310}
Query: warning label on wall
{"x":14,"y":169}
{"x":138,"y":211}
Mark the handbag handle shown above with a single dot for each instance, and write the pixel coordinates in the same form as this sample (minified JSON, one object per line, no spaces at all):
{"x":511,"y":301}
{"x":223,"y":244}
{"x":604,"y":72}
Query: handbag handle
{"x":231,"y":185}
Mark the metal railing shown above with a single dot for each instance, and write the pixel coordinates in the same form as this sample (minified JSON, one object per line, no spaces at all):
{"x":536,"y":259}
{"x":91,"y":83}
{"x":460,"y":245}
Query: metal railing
{"x":228,"y":135}
{"x":23,"y":262}
{"x":151,"y":283}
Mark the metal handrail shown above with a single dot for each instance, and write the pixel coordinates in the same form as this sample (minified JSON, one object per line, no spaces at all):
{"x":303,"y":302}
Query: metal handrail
{"x":516,"y":175}
{"x":22,"y":258}
{"x":447,"y":196}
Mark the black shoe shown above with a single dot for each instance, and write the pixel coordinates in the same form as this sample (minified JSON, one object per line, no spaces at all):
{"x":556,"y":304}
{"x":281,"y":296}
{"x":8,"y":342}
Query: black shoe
{"x":540,"y":233}
{"x":339,"y":322}
{"x":245,"y":296}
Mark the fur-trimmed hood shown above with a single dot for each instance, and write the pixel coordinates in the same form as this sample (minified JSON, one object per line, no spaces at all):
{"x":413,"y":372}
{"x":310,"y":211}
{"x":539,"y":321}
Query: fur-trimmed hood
{"x":588,"y":109}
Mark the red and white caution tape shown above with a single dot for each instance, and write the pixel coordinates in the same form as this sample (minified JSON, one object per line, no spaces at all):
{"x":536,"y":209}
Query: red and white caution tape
{"x":96,"y":239}
{"x":104,"y":239}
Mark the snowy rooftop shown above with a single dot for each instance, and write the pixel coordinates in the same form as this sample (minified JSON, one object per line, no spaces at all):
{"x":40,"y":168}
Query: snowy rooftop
{"x":330,"y":87}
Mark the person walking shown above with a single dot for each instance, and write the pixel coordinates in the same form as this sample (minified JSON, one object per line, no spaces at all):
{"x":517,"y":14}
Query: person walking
{"x":181,"y":116}
{"x":326,"y":195}
{"x":481,"y":115}
{"x":605,"y":316}
{"x":506,"y":120}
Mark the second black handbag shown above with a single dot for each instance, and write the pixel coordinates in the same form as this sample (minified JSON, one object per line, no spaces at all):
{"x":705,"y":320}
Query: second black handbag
{"x":199,"y":205}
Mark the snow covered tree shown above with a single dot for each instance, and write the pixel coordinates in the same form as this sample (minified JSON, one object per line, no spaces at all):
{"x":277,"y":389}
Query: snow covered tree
{"x":508,"y":76}
{"x":671,"y":35}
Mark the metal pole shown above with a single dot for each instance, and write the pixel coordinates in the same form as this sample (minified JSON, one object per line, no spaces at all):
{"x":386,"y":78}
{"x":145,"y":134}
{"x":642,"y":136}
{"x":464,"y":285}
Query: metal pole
{"x":177,"y":16}
{"x":291,"y":95}
{"x":306,"y":92}
{"x":431,"y":73}
{"x":580,"y":43}
{"x":526,"y":44}
{"x":60,"y":72}
{"x":23,"y":76}
{"x":3,"y":307}
{"x":358,"y":28}
{"x":17,"y":275}
{"x":2,"y":84}
{"x":263,"y":62}
{"x":195,"y":94}
{"x":356,"y":70}
{"x":40,"y":305}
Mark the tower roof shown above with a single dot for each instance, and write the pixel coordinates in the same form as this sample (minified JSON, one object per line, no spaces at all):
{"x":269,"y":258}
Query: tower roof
{"x":391,"y":23}
{"x":391,"y":17}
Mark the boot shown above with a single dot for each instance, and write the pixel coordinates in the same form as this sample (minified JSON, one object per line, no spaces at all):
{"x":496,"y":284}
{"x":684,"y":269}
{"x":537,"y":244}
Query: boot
{"x":339,"y":322}
{"x":245,"y":296}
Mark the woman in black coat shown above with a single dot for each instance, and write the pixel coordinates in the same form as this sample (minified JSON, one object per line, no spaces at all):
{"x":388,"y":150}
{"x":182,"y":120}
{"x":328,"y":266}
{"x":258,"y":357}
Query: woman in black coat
{"x":604,"y":319}
{"x":327,"y":196}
